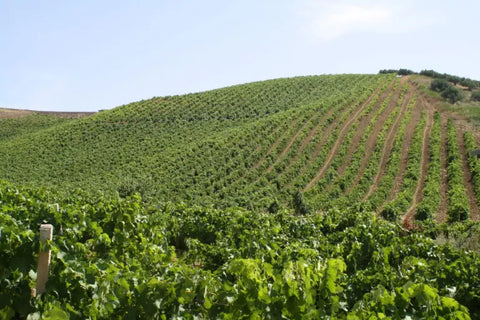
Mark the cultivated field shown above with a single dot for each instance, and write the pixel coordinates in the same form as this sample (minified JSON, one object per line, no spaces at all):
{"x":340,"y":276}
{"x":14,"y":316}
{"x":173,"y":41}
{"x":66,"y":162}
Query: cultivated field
{"x":343,"y":196}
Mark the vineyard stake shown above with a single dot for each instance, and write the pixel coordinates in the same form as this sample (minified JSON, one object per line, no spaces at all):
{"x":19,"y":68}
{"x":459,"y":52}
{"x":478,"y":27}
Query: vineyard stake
{"x":46,"y":232}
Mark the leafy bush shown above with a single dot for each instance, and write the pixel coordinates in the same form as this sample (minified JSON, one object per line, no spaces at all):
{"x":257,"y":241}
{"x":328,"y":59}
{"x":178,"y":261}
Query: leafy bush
{"x":400,"y":72}
{"x":299,"y":204}
{"x":451,"y":94}
{"x":404,"y":72}
{"x":475,"y":96}
{"x":471,"y":84}
{"x":439,"y":85}
{"x":387,"y":71}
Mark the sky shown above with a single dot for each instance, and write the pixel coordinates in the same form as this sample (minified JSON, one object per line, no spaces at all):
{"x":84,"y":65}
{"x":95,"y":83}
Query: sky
{"x":91,"y":55}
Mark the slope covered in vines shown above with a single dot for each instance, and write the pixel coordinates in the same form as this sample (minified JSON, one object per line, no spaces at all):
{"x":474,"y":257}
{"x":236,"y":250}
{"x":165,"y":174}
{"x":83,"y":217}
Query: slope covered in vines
{"x":307,"y":143}
{"x":346,"y":196}
{"x":191,"y":148}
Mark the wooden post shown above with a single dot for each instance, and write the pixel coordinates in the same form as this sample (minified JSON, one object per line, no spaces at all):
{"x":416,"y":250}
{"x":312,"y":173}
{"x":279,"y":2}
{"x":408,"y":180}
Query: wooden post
{"x":46,"y":232}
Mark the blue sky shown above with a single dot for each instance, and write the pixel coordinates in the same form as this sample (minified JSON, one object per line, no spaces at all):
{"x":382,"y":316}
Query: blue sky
{"x":91,"y":55}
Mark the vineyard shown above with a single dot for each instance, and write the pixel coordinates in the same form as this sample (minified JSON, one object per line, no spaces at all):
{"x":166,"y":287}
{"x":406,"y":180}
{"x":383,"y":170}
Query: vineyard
{"x":342,"y":196}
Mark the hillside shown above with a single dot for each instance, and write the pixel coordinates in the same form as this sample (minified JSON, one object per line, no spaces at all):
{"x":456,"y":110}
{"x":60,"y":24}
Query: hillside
{"x":307,"y":143}
{"x":266,"y":200}
{"x":16,"y":122}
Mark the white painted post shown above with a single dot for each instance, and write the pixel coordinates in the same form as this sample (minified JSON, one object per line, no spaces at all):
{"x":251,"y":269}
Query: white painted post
{"x":46,"y":232}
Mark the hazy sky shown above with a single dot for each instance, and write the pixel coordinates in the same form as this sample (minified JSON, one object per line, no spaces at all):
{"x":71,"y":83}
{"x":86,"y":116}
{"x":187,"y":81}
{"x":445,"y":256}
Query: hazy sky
{"x":89,"y":55}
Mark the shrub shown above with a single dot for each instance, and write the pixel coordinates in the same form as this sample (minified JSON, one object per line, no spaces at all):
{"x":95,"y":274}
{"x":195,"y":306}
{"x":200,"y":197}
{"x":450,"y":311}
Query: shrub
{"x":451,"y":94}
{"x":386,"y":71}
{"x":469,"y":83}
{"x":439,"y":85}
{"x":475,"y":96}
{"x":454,"y":79}
{"x":299,"y":204}
{"x":404,"y":72}
{"x":390,"y":212}
{"x":423,"y":212}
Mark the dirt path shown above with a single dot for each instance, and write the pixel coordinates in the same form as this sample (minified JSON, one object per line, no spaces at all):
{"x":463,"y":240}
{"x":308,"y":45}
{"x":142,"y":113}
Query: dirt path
{"x":341,"y":136}
{"x":441,"y":215}
{"x":417,"y":196}
{"x":387,"y":147}
{"x":467,"y":178}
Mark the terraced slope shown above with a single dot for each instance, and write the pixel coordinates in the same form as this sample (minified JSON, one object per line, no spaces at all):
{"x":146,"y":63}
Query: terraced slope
{"x":372,"y":142}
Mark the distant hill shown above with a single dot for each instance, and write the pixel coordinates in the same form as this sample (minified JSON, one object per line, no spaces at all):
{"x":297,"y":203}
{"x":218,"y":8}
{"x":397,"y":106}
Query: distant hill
{"x":306,"y":143}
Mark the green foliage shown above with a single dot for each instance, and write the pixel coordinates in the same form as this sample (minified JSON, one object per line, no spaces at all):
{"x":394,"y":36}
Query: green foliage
{"x":224,"y":147}
{"x":299,"y":204}
{"x":383,"y":190}
{"x":387,"y":71}
{"x":443,"y":83}
{"x":116,"y":258}
{"x":404,"y":72}
{"x":430,"y":202}
{"x":342,"y":183}
{"x":475,"y":96}
{"x":439,"y":85}
{"x":403,"y":200}
{"x":400,"y":72}
{"x":128,"y":251}
{"x":473,"y":163}
{"x":458,"y":206}
{"x":29,"y":124}
{"x":451,"y":78}
{"x":451,"y":94}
